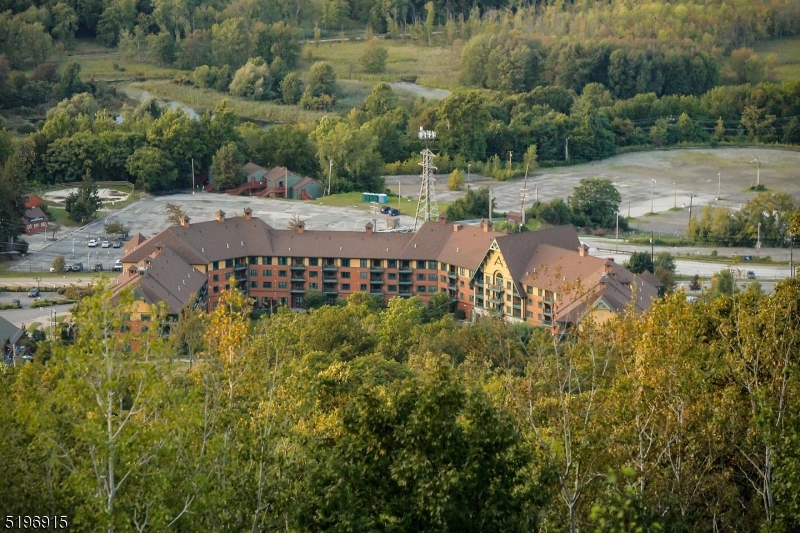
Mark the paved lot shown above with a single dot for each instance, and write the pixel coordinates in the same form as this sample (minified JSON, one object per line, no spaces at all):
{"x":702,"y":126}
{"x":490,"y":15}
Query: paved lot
{"x":693,"y":171}
{"x":27,"y":314}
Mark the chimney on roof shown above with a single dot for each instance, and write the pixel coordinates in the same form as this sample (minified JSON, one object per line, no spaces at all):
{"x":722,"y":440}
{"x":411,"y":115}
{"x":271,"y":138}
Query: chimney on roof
{"x":486,"y":225}
{"x":369,"y":227}
{"x":220,"y":216}
{"x":248,"y":213}
{"x":456,"y":227}
{"x":583,"y":250}
{"x":184,"y":222}
{"x":159,"y":249}
{"x":301,"y":226}
{"x":442,"y":220}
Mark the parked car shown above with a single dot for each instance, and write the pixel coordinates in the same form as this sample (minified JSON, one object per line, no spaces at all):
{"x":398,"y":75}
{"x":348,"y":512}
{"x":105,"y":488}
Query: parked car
{"x":16,"y":303}
{"x":33,"y":293}
{"x":394,"y":212}
{"x":117,"y":266}
{"x":117,"y":244}
{"x":77,"y":267}
{"x":92,"y":243}
{"x":97,"y":267}
{"x":385,"y":210}
{"x":751,"y":274}
{"x":105,"y":244}
{"x":53,"y":269}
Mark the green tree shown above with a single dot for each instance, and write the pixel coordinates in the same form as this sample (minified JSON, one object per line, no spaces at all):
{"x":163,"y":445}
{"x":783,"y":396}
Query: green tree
{"x":314,"y":299}
{"x":474,"y":204}
{"x":291,"y":88}
{"x":639,"y":262}
{"x":82,"y":204}
{"x":320,"y":87}
{"x":598,"y":200}
{"x":69,"y":81}
{"x":152,"y":169}
{"x":456,"y":180}
{"x":723,"y":284}
{"x":226,"y":167}
{"x":373,"y":59}
{"x":437,"y":308}
{"x":59,"y":264}
{"x":252,"y":81}
{"x":65,"y":23}
{"x":230,"y":42}
{"x":114,"y":227}
{"x":356,"y":161}
{"x":463,"y":120}
{"x":174,"y":214}
{"x":381,"y":100}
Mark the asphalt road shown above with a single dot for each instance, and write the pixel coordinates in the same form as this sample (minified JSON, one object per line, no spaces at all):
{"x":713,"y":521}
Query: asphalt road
{"x":27,"y":314}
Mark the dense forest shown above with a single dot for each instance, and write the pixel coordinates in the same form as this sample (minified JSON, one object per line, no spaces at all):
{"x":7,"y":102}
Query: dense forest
{"x":365,"y":417}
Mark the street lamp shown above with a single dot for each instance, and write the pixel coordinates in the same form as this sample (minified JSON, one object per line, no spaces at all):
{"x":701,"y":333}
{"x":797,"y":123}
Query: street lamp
{"x":758,"y":171}
{"x":73,"y":247}
{"x":758,"y":241}
{"x":468,"y":165}
{"x":616,"y":251}
{"x":37,"y":280}
{"x":652,"y":191}
{"x":691,"y":197}
{"x":719,"y":184}
{"x":566,"y":149}
{"x":675,"y":191}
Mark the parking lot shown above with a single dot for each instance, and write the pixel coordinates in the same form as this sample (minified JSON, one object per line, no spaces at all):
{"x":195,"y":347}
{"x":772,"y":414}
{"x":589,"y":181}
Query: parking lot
{"x":27,"y":314}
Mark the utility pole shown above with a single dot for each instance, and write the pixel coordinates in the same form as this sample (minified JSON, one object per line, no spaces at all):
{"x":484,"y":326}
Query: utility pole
{"x":509,"y":162}
{"x":719,"y":184}
{"x":675,"y":190}
{"x":691,"y":197}
{"x":617,"y":238}
{"x":398,"y":194}
{"x":330,"y":171}
{"x":566,"y":149}
{"x":791,"y":255}
{"x":758,"y":242}
{"x":522,"y":194}
{"x":73,"y":247}
{"x":193,"y":187}
{"x":490,"y":205}
{"x":652,"y":247}
{"x":468,"y":165}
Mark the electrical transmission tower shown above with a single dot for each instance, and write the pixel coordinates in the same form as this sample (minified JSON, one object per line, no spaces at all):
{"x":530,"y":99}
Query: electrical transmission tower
{"x":427,"y":208}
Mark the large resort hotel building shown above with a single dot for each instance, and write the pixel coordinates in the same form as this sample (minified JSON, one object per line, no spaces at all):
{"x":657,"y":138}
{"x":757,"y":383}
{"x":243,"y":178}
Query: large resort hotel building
{"x":544,"y":278}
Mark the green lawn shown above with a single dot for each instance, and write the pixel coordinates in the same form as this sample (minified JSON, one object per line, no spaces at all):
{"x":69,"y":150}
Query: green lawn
{"x":60,"y":215}
{"x":433,"y":66}
{"x":408,"y":206}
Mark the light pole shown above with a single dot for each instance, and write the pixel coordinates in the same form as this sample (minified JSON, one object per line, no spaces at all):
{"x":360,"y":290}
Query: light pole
{"x":468,"y":165}
{"x":37,"y":280}
{"x":73,"y":247}
{"x":193,"y":176}
{"x":617,"y":238}
{"x":652,"y":192}
{"x":758,"y":171}
{"x":566,"y":149}
{"x":398,"y":194}
{"x":719,"y":184}
{"x":691,"y":197}
{"x":758,"y":241}
{"x":509,"y":161}
{"x":675,"y":190}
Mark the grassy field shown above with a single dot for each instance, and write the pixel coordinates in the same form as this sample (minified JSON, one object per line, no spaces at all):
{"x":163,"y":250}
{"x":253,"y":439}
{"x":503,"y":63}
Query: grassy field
{"x":407,"y":207}
{"x":788,"y":52}
{"x":202,"y":99}
{"x":433,"y":66}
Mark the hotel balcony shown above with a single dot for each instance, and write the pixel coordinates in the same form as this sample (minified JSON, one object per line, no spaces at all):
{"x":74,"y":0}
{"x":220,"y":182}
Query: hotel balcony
{"x":405,"y":269}
{"x":298,"y":266}
{"x":330,"y":267}
{"x":376,"y":270}
{"x":297,"y":278}
{"x":452,"y":275}
{"x":239,"y":267}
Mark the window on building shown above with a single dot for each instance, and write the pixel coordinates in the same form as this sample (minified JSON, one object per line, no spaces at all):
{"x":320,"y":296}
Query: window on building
{"x":253,"y":284}
{"x":508,"y":297}
{"x":215,"y":265}
{"x":282,"y":273}
{"x":508,"y":285}
{"x":313,"y":261}
{"x":539,"y":317}
{"x":227,"y":286}
{"x":345,"y":262}
{"x":313,"y":274}
{"x":508,"y":310}
{"x":265,"y":301}
{"x":282,"y":285}
{"x":540,"y":292}
{"x":461,"y":271}
{"x":529,"y":290}
{"x":253,"y":272}
{"x":392,"y":263}
{"x":252,"y":260}
{"x":421,"y":277}
{"x":215,"y":277}
{"x":364,"y":263}
{"x":344,"y":275}
{"x":266,"y":284}
{"x":460,"y":295}
{"x":145,"y":318}
{"x":420,"y":264}
{"x":345,"y":286}
{"x":471,"y":298}
{"x":443,"y":267}
{"x":461,"y":283}
{"x":421,"y":288}
{"x":432,"y":277}
{"x":443,"y":279}
{"x":540,"y":305}
{"x":363,"y":288}
{"x":283,"y":260}
{"x":266,"y":273}
{"x":214,"y":306}
{"x":391,"y":275}
{"x":229,"y":263}
{"x":392,"y":288}
{"x":266,"y":260}
{"x":432,"y":265}
{"x":434,"y":289}
{"x":215,"y":289}
{"x":362,"y":275}
{"x":313,"y":285}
